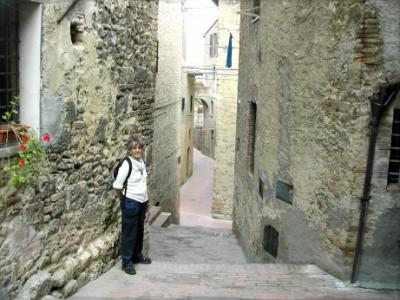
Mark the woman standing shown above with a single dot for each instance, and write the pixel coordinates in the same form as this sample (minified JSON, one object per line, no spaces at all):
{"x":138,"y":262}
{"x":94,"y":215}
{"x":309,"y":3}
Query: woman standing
{"x":134,"y":204}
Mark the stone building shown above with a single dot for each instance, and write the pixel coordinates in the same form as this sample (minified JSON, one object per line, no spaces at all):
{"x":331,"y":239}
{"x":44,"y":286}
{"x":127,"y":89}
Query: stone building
{"x":204,"y":121}
{"x":218,"y":93}
{"x":86,"y":75}
{"x":225,"y":107}
{"x":315,"y":76}
{"x":167,"y":108}
{"x":206,"y":93}
{"x":186,"y":122}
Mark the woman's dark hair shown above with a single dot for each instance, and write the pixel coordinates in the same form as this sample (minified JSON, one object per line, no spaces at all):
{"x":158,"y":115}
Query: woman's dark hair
{"x":135,"y":141}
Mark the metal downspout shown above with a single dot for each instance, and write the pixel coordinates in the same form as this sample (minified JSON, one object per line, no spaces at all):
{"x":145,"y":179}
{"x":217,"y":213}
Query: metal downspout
{"x":385,"y":96}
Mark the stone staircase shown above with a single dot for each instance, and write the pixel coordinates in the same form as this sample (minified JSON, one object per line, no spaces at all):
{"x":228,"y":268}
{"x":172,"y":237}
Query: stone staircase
{"x":206,"y":263}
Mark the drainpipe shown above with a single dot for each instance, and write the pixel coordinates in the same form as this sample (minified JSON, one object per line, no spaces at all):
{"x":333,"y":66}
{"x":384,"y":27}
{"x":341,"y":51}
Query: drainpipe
{"x":385,"y":95}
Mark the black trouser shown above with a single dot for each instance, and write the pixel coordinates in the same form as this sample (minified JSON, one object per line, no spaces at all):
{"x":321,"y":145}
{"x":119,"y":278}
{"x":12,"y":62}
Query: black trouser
{"x":133,"y":216}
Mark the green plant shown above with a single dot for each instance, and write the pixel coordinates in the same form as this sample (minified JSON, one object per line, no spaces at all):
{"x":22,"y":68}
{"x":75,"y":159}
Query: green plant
{"x":31,"y":151}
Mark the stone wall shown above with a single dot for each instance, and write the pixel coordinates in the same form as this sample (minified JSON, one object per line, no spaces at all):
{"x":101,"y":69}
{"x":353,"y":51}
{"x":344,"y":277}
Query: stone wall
{"x":97,"y":89}
{"x":307,"y":73}
{"x":187,"y":128}
{"x":225,"y":110}
{"x":165,"y":184}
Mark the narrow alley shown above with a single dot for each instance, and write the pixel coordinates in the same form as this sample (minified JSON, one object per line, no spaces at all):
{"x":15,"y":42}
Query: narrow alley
{"x":258,"y":143}
{"x":201,"y":259}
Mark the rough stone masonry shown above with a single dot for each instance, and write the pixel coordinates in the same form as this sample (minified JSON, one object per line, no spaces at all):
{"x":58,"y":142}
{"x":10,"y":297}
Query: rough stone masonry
{"x":98,"y":61}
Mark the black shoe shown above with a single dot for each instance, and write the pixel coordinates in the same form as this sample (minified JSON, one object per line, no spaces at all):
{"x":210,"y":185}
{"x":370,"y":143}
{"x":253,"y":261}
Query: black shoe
{"x":129,"y":270}
{"x":143,"y":260}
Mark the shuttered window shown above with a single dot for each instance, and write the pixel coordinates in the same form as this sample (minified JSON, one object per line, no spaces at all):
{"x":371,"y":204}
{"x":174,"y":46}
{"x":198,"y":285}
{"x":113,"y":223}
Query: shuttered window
{"x":213,"y":45}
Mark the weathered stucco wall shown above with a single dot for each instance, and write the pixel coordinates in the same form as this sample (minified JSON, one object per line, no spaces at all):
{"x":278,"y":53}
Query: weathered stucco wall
{"x":311,"y":69}
{"x":60,"y":233}
{"x":165,"y":183}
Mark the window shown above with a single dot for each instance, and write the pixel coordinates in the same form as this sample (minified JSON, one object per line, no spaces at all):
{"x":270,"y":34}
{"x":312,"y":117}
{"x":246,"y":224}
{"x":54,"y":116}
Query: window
{"x":77,"y":31}
{"x":271,"y":240}
{"x":256,"y":10}
{"x":20,"y":39}
{"x":256,"y":7}
{"x":394,"y":160}
{"x":261,"y":188}
{"x":213,"y":45}
{"x":251,"y":136}
{"x":183,"y":104}
{"x":191,"y":103}
{"x":158,"y":53}
{"x":284,"y":191}
{"x":9,"y":58}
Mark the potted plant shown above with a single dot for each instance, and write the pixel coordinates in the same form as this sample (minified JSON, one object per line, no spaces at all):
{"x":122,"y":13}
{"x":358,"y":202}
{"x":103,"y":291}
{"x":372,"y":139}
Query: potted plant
{"x":10,"y":130}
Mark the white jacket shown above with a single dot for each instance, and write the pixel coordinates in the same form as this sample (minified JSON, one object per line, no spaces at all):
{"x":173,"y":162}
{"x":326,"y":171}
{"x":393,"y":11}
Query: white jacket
{"x":137,"y":182}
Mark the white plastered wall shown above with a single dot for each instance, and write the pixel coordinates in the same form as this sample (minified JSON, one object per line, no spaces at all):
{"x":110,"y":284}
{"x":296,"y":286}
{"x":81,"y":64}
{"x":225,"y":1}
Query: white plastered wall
{"x":30,"y":16}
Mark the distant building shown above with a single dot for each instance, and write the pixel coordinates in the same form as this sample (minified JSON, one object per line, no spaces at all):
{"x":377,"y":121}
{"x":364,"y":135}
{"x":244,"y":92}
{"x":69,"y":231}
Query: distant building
{"x":219,"y":95}
{"x":313,"y":75}
{"x":206,"y":93}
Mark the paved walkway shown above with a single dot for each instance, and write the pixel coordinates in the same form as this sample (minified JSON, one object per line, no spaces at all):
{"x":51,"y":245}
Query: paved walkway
{"x":197,"y":195}
{"x":206,"y":263}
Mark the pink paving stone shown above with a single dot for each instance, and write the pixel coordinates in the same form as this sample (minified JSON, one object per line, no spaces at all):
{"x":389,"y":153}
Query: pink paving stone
{"x":196,"y":195}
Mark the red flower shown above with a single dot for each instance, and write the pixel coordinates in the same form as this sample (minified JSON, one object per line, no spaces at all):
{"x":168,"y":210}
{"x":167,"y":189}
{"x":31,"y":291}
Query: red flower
{"x":46,"y":137}
{"x":22,"y":147}
{"x":25,"y":138}
{"x":21,"y":162}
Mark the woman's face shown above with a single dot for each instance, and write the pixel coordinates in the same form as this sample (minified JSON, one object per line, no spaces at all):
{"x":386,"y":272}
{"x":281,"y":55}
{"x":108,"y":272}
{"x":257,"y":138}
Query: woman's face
{"x":136,"y":151}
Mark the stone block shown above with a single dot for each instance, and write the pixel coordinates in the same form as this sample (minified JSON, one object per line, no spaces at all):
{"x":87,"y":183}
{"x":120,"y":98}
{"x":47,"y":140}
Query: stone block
{"x":70,"y":288}
{"x":71,"y":267}
{"x":38,"y":286}
{"x":33,"y":213}
{"x":84,"y":259}
{"x":59,"y":278}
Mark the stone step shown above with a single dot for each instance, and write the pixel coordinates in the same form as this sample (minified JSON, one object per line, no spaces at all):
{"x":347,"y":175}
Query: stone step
{"x":154,"y":211}
{"x":162,"y":220}
{"x":195,"y":245}
{"x":171,"y":280}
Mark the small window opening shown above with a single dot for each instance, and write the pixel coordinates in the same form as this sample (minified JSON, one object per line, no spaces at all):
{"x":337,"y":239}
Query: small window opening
{"x":394,"y":159}
{"x":213,"y":45}
{"x":256,"y":10}
{"x":284,"y":191}
{"x":271,"y":240}
{"x":256,"y":7}
{"x":191,"y":103}
{"x":252,"y":136}
{"x":77,"y":31}
{"x":261,"y":188}
{"x":183,"y":104}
